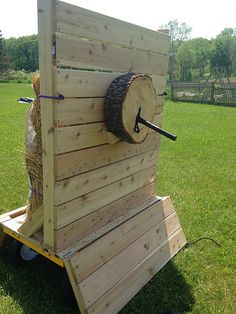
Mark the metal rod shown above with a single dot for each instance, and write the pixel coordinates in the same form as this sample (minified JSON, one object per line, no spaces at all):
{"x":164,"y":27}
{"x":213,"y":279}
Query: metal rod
{"x":171,"y":136}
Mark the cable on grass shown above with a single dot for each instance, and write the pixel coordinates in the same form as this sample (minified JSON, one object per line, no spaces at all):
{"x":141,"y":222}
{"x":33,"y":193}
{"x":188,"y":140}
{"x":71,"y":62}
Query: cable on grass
{"x":189,"y":244}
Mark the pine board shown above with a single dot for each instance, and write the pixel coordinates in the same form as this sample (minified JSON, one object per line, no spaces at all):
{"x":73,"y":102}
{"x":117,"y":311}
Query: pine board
{"x":97,"y":284}
{"x":79,"y":185}
{"x":80,"y":161}
{"x":88,"y":203}
{"x":80,"y":22}
{"x":90,"y":84}
{"x":96,"y":55}
{"x":102,"y":217}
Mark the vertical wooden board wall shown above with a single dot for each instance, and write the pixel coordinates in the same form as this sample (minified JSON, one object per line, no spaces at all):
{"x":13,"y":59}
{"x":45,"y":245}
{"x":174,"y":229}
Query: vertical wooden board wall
{"x":75,"y":127}
{"x":47,"y":68}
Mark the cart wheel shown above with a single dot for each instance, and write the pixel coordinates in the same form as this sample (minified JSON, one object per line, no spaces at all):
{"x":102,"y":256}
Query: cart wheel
{"x":68,"y":297}
{"x":21,"y":254}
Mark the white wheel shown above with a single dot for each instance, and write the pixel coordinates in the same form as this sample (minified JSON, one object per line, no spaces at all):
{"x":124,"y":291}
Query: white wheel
{"x":27,"y":254}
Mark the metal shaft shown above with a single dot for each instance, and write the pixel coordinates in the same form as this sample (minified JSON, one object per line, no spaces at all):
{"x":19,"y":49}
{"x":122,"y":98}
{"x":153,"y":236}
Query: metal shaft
{"x":156,"y":128}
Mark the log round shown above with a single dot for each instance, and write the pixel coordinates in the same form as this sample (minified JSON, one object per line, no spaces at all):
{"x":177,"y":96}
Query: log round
{"x":125,"y":96}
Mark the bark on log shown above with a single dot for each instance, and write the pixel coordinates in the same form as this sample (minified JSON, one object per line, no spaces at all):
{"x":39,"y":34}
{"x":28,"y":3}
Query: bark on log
{"x":124,"y":97}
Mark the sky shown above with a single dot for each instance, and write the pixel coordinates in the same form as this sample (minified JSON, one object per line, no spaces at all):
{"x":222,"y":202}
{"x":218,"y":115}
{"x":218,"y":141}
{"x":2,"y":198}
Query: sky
{"x":206,"y":17}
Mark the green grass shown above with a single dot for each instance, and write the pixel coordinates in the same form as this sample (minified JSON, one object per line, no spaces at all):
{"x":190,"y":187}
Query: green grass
{"x":198,"y":171}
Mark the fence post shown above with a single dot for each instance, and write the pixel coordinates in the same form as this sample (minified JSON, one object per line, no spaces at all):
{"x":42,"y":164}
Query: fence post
{"x":212,"y":92}
{"x":172,"y":91}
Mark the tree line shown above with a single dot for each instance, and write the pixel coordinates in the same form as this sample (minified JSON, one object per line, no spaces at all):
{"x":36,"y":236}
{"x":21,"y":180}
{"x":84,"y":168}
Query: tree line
{"x":191,"y":58}
{"x":19,"y":53}
{"x":195,"y":58}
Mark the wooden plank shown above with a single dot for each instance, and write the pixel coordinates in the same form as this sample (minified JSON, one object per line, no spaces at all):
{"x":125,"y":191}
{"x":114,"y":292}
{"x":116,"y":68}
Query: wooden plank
{"x":84,"y":23}
{"x":13,"y":213}
{"x":69,"y":164}
{"x":33,"y":222}
{"x":96,"y":220}
{"x":105,"y":229}
{"x":85,"y":110}
{"x":126,"y":288}
{"x":101,"y":251}
{"x":75,"y":83}
{"x":96,"y":55}
{"x":80,"y":136}
{"x":79,"y":185}
{"x":79,"y":111}
{"x":101,"y":281}
{"x":77,"y":293}
{"x":47,"y":27}
{"x":77,"y":137}
{"x":86,"y":204}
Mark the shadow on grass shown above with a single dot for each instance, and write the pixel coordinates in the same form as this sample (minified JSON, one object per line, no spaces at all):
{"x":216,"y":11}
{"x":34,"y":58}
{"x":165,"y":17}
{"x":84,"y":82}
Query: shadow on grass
{"x":166,"y":293}
{"x":36,"y":289}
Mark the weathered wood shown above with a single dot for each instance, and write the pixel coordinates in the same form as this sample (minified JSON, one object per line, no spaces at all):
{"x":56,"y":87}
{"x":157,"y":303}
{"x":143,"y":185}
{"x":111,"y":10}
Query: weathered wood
{"x":84,"y":23}
{"x":101,"y":281}
{"x":79,"y":185}
{"x":126,"y":96}
{"x":86,"y":204}
{"x":101,"y":251}
{"x":33,"y":222}
{"x":82,"y":53}
{"x":74,"y":83}
{"x":70,"y":164}
{"x":80,"y":136}
{"x":96,"y":220}
{"x":126,"y":288}
{"x":47,"y":27}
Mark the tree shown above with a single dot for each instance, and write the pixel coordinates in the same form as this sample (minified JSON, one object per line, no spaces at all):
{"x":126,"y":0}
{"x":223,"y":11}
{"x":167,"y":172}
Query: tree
{"x":223,"y":53}
{"x":178,"y":32}
{"x":202,"y":49}
{"x":4,"y":61}
{"x":23,"y":52}
{"x":185,"y":59}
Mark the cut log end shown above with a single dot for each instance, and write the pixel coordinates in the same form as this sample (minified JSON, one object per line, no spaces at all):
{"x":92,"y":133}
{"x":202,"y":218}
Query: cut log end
{"x":126,"y":95}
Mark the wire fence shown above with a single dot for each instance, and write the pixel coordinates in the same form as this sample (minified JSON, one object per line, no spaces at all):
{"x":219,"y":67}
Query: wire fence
{"x":212,"y":93}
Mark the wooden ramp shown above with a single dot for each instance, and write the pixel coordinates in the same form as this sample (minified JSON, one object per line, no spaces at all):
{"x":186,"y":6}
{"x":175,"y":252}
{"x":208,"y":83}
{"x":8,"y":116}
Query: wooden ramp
{"x":107,"y":274}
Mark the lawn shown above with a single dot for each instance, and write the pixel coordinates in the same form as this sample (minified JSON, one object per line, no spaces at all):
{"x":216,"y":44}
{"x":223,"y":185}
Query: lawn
{"x":198,"y":171}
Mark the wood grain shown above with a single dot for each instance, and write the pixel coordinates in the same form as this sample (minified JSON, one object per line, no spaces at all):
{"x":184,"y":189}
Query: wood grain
{"x":101,"y":251}
{"x":79,"y":185}
{"x":96,"y":55}
{"x":47,"y":27}
{"x":84,"y":23}
{"x":107,"y":276}
{"x":90,"y":84}
{"x":89,"y":202}
{"x":126,"y":288}
{"x":91,"y":223}
{"x":72,"y":163}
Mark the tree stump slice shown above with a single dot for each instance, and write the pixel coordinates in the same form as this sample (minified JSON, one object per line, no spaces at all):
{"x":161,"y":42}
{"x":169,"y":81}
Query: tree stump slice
{"x":126,"y":94}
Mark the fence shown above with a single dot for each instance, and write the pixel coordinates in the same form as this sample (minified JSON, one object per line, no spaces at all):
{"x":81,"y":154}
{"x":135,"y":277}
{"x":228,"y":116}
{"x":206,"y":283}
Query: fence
{"x":212,"y":93}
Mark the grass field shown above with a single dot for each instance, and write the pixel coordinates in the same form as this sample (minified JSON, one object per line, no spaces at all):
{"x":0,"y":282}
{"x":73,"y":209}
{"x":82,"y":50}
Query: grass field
{"x":198,"y":171}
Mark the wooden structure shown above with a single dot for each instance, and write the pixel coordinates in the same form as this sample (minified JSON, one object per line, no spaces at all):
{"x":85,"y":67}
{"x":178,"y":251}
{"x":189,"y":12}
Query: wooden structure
{"x":101,"y":218}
